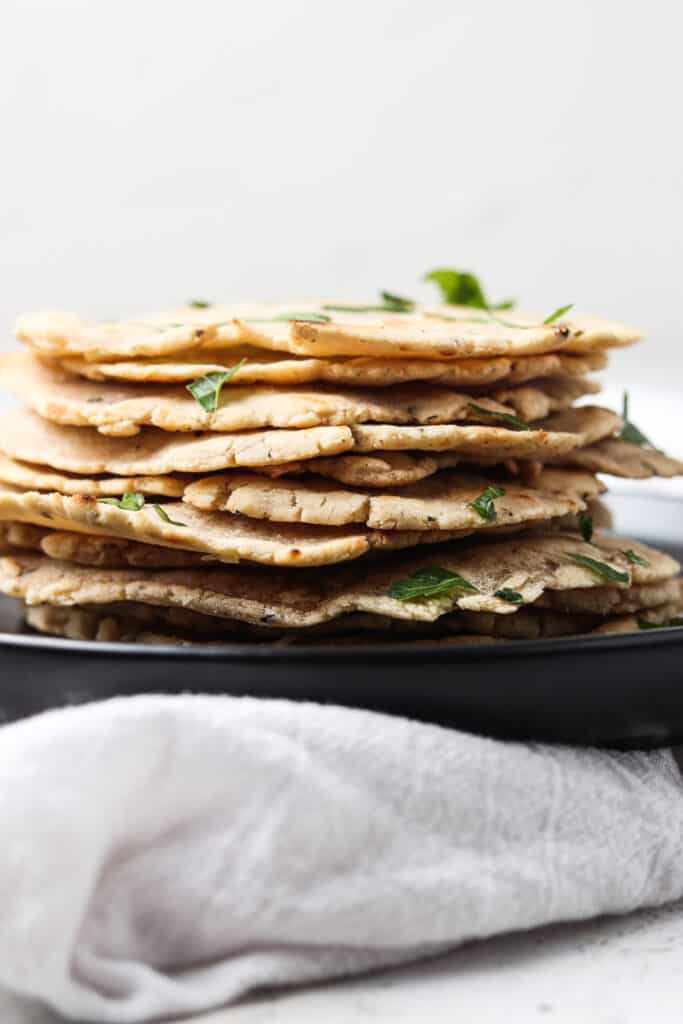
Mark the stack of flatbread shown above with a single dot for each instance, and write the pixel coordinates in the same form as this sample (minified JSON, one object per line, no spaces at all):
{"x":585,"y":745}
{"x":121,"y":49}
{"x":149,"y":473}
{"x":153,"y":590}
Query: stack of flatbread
{"x":316,"y":472}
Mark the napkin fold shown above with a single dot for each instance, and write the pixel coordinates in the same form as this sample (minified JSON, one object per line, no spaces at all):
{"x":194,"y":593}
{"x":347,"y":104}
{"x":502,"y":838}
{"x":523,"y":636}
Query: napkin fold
{"x":166,"y":855}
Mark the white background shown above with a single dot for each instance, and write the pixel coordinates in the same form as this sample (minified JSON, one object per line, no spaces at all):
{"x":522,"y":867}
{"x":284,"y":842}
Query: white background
{"x":160,"y":150}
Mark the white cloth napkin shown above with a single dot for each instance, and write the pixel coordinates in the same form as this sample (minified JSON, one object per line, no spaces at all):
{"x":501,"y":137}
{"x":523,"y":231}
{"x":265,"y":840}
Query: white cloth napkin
{"x":164,"y":855}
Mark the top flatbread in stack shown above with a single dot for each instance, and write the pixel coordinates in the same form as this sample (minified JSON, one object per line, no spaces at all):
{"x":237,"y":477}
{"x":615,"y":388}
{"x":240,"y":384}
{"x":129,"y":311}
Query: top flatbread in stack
{"x":303,"y":435}
{"x":332,"y":329}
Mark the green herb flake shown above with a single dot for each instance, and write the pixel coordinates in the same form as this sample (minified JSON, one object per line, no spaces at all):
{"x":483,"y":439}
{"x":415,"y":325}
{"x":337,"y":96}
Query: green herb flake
{"x":207,"y":390}
{"x":676,"y":621}
{"x":558,"y":313}
{"x":586,"y":526}
{"x":429,"y":583}
{"x":629,"y":431}
{"x":390,"y":304}
{"x":511,"y":596}
{"x":396,"y":303}
{"x":501,"y":417}
{"x":607,"y":572}
{"x":132,"y":501}
{"x":461,"y":288}
{"x":484,"y":505}
{"x":163,"y":514}
{"x":199,"y":304}
{"x":283,"y":318}
{"x":635,"y":559}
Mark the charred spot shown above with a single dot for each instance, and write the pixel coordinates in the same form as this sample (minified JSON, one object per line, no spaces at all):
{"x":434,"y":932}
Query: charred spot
{"x":294,"y":552}
{"x":562,"y":331}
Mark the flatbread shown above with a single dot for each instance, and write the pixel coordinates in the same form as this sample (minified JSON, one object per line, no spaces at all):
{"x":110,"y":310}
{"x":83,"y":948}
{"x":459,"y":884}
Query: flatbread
{"x":378,"y":469}
{"x":121,"y":409}
{"x":394,"y":469}
{"x":660,"y":616}
{"x":156,"y":452}
{"x":144,"y":624}
{"x":529,"y":563}
{"x":224,"y":538}
{"x":432,"y":332}
{"x":477,"y":442}
{"x":442,"y":502}
{"x":592,"y":422}
{"x":612,"y":601}
{"x":101,"y":627}
{"x":623,"y":459}
{"x":21,"y":535}
{"x":116,"y":552}
{"x":38,"y":478}
{"x":600,"y":513}
{"x":261,"y":367}
{"x":24,"y":436}
{"x":535,"y":401}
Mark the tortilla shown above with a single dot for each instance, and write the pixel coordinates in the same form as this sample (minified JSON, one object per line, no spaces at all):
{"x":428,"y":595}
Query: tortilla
{"x":116,"y":552}
{"x":396,"y":469}
{"x":224,"y":538}
{"x":599,"y":512}
{"x":611,"y":601}
{"x":552,"y":394}
{"x":89,"y":624}
{"x":623,"y":459}
{"x":121,"y":409}
{"x":262,"y":367}
{"x":442,"y":502}
{"x":529,"y":563}
{"x":38,"y":478}
{"x":660,"y":616}
{"x":124,"y":624}
{"x":155,"y":452}
{"x":21,"y":535}
{"x":431,"y":332}
{"x":379,"y":469}
{"x":476,"y":441}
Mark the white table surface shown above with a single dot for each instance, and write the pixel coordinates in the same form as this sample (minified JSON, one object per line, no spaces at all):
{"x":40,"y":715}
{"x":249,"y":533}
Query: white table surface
{"x":626,"y":970}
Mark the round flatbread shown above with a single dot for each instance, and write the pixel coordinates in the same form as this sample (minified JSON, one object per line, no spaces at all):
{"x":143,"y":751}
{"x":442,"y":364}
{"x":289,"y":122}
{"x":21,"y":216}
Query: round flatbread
{"x":262,"y":367}
{"x":153,"y":452}
{"x":38,"y":478}
{"x":77,"y":450}
{"x":623,"y":459}
{"x":431,"y":332}
{"x":121,"y":409}
{"x":222,"y":537}
{"x":451,"y":500}
{"x":527,"y":564}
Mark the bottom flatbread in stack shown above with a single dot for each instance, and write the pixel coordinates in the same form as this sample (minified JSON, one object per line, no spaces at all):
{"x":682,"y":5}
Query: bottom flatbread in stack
{"x":528,"y":586}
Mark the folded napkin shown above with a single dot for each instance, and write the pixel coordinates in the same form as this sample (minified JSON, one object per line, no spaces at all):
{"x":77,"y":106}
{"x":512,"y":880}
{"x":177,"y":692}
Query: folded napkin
{"x":164,"y":855}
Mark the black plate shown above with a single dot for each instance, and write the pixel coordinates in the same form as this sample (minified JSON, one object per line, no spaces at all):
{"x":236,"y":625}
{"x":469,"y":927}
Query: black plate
{"x":624,"y":691}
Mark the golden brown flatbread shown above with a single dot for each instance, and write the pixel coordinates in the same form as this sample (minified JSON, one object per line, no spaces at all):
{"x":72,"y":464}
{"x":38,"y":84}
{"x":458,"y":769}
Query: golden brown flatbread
{"x":623,"y":459}
{"x":262,"y":367}
{"x":442,"y":502}
{"x":432,"y":332}
{"x":529,"y":564}
{"x":121,"y":409}
{"x":39,"y":478}
{"x":145,"y":624}
{"x":225,"y":538}
{"x":79,"y":450}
